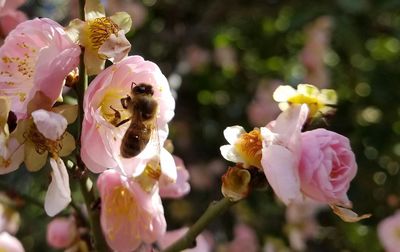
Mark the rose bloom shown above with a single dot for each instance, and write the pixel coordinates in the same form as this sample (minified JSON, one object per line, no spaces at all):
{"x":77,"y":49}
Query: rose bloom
{"x":36,"y":57}
{"x":388,"y":232}
{"x":61,"y":232}
{"x":101,"y":138}
{"x":129,"y":215}
{"x":326,"y":167}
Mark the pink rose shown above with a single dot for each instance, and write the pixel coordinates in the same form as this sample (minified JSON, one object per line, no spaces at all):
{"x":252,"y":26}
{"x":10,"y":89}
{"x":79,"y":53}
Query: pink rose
{"x":388,"y":232}
{"x":326,"y":167}
{"x":61,"y":232}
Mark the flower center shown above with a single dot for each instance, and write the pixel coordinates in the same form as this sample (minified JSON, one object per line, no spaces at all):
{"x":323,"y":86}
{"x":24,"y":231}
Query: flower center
{"x":312,"y":102}
{"x":121,"y":207}
{"x":150,"y":176}
{"x":100,"y":29}
{"x":42,"y":144}
{"x":111,"y":108}
{"x":249,"y":147}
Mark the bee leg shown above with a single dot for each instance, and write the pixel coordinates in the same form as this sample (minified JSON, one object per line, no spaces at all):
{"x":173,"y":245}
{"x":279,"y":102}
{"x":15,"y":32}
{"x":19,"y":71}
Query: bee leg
{"x":117,"y":116}
{"x":125,"y":101}
{"x":122,"y":122}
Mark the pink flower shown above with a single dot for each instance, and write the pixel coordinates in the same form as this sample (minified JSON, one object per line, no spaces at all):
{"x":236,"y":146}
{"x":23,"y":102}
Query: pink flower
{"x":281,"y":153}
{"x":10,"y":17}
{"x":171,"y":236}
{"x":9,"y":243}
{"x":129,"y":216}
{"x":327,"y":166}
{"x":36,"y":57}
{"x":181,"y":187}
{"x":61,"y":232}
{"x":101,"y":138}
{"x":388,"y":232}
{"x":245,"y":239}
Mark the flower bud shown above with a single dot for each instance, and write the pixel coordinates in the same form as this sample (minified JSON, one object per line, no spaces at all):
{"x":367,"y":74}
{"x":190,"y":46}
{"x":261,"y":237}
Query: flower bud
{"x":236,"y":183}
{"x":61,"y":232}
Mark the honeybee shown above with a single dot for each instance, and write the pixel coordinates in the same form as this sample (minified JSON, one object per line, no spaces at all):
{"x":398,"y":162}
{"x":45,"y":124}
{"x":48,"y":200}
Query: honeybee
{"x":143,"y":108}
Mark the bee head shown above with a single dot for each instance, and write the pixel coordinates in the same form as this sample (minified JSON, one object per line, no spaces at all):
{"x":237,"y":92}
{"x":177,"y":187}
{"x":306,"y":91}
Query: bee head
{"x":142,"y":88}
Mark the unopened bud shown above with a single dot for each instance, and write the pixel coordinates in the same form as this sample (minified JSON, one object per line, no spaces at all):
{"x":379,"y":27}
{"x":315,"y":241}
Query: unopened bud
{"x":236,"y":183}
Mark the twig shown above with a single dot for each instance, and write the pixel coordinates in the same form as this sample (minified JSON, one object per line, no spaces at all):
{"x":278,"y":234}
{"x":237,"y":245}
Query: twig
{"x":213,"y":211}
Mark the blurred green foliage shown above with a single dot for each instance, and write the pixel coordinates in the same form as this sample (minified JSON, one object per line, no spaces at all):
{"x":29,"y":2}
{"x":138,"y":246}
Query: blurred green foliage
{"x":264,"y":39}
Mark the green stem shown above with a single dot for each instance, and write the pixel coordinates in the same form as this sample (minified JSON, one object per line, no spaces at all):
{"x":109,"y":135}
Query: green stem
{"x":215,"y":209}
{"x":88,"y":193}
{"x":99,"y":242}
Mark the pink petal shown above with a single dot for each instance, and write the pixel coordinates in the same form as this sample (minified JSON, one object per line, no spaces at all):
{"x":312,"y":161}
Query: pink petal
{"x":280,"y":167}
{"x":9,"y":243}
{"x":181,"y":187}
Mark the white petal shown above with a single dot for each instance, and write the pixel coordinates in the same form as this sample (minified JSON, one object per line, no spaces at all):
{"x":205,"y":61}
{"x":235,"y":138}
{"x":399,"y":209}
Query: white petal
{"x":58,"y":194}
{"x":283,"y":93}
{"x":233,"y":133}
{"x":94,"y":9}
{"x":230,"y":154}
{"x":50,"y":124}
{"x":168,"y":167}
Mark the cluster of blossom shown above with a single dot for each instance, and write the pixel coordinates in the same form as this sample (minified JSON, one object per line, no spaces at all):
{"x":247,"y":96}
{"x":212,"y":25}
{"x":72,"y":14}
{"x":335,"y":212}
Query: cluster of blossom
{"x":36,"y":59}
{"x":317,"y":164}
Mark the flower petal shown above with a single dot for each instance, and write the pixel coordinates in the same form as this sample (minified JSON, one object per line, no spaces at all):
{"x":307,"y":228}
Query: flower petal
{"x":168,"y":168}
{"x":230,"y":154}
{"x":94,"y":64}
{"x":94,"y":9}
{"x":13,"y":153}
{"x":123,"y":20}
{"x":116,"y":47}
{"x":280,"y":167}
{"x":50,"y":124}
{"x":348,"y":215}
{"x":58,"y":194}
{"x":73,"y":29}
{"x":282,"y":93}
{"x":69,"y":112}
{"x":33,"y":160}
{"x":233,"y":133}
{"x":67,"y":144}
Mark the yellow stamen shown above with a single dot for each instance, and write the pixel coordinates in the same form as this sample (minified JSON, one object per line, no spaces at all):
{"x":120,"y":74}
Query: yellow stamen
{"x":42,"y":144}
{"x":249,"y":147}
{"x":312,"y":102}
{"x":100,"y":29}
